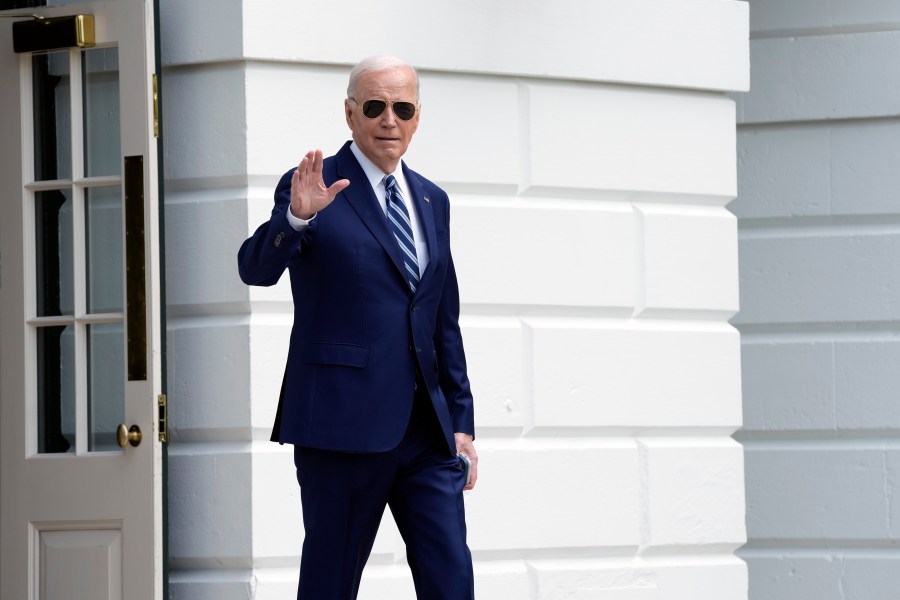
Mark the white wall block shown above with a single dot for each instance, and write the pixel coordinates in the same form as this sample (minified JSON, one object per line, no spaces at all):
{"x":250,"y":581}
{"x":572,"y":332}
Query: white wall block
{"x":202,"y":269}
{"x":723,"y":578}
{"x":570,"y":255}
{"x":209,"y":379}
{"x":292,"y":109}
{"x":813,"y":278}
{"x":269,"y":340}
{"x":469,"y":131}
{"x":844,"y":168}
{"x":276,"y":518}
{"x":875,"y":577}
{"x":864,"y":176}
{"x":617,"y":138}
{"x":826,"y":386}
{"x":203,"y":585}
{"x":788,"y":386}
{"x":533,"y":496}
{"x":590,"y":375}
{"x":719,"y":577}
{"x":689,"y":43}
{"x":502,"y":579}
{"x":823,"y":574}
{"x":822,"y":77}
{"x":814,"y":492}
{"x":695,"y":491}
{"x":787,"y":575}
{"x":206,"y":123}
{"x":275,"y":583}
{"x":495,"y":354}
{"x":783,"y":171}
{"x":688,"y":259}
{"x":201,"y":31}
{"x":210,"y":507}
{"x":866,"y":383}
{"x":387,"y":581}
{"x":787,"y":17}
{"x":590,"y":579}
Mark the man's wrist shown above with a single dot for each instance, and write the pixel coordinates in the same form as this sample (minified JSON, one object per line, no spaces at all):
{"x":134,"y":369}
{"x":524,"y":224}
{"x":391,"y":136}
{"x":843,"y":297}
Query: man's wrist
{"x":298,"y":223}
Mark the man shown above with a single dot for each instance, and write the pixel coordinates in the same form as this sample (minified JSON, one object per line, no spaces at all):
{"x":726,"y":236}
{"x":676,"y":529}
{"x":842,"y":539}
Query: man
{"x":375,"y":397}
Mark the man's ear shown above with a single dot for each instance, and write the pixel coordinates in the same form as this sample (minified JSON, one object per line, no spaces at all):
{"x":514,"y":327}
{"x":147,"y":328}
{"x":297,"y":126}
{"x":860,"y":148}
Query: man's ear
{"x":348,"y":113}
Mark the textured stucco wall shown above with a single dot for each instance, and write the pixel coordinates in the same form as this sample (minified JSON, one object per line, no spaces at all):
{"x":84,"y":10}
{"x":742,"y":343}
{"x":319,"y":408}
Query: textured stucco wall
{"x":589,"y":153}
{"x":819,"y":148}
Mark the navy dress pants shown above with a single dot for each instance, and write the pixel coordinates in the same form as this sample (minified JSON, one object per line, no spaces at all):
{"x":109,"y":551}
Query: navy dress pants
{"x":344,"y":496}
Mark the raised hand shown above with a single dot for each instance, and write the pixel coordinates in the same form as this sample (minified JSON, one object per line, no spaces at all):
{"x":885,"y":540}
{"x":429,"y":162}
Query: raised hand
{"x":308,"y":192}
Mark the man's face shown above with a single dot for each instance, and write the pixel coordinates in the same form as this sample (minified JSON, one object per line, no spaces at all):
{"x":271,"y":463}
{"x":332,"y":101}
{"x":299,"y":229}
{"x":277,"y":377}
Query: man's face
{"x":385,"y":138}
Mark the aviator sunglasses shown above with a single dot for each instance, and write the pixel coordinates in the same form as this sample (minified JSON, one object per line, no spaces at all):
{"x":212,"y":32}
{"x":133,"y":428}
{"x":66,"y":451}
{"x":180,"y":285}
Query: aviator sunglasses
{"x":373,"y":108}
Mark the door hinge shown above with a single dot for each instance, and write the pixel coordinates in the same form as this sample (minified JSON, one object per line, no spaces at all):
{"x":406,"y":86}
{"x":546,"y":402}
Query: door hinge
{"x":163,"y":422}
{"x":155,"y":106}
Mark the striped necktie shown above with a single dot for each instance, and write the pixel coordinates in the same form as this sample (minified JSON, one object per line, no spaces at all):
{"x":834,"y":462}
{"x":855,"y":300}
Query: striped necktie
{"x":398,"y":218}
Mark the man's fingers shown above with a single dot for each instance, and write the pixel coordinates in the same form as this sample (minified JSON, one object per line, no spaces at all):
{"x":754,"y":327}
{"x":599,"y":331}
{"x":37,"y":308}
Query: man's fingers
{"x":337,"y":187}
{"x":317,"y":160}
{"x":308,"y":192}
{"x":305,"y":162}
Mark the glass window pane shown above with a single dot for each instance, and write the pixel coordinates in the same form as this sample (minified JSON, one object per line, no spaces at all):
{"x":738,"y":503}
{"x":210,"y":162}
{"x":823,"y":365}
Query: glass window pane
{"x":56,"y":389}
{"x":52,"y":116}
{"x":106,"y":384}
{"x":101,"y":112}
{"x":53,"y":253}
{"x":104,"y":249}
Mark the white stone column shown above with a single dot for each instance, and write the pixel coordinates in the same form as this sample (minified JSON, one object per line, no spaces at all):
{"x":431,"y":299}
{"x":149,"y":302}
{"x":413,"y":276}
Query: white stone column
{"x":589,"y":152}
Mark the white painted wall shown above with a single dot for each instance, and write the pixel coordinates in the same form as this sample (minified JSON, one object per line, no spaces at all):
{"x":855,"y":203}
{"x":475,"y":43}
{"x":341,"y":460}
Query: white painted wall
{"x":589,"y":151}
{"x":819,"y":144}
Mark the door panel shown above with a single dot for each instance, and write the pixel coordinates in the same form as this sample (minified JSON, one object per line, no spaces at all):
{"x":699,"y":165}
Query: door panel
{"x":65,"y":555}
{"x":81,"y":516}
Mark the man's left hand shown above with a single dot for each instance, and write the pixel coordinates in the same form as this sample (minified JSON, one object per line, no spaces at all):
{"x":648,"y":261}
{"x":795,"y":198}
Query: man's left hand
{"x":465,"y":445}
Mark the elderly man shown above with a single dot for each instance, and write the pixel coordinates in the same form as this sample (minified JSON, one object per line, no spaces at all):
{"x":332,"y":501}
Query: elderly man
{"x":375,"y":396}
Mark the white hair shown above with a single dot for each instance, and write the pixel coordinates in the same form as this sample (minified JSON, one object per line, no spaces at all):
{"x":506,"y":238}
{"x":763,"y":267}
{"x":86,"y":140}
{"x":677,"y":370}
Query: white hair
{"x":374,"y":64}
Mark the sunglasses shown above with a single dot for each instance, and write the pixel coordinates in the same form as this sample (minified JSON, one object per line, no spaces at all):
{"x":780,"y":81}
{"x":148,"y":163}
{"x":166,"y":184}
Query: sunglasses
{"x":373,"y":108}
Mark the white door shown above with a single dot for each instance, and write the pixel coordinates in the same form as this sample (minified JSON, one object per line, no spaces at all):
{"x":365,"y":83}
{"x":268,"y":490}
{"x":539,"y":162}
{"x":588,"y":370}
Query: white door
{"x":81,"y":517}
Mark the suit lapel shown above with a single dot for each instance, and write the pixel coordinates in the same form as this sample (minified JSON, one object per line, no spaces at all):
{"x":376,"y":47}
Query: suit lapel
{"x":424,"y":209}
{"x":361,"y":197}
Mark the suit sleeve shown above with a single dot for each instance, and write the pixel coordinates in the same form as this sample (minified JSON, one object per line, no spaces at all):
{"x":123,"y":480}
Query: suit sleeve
{"x":265,"y":255}
{"x":452,"y":372}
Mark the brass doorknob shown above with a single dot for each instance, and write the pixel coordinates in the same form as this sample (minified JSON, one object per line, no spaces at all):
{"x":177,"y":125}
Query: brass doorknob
{"x":126,"y":436}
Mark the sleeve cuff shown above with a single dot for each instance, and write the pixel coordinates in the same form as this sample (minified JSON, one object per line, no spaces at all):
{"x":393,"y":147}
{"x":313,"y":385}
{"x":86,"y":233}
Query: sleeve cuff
{"x":297,"y":223}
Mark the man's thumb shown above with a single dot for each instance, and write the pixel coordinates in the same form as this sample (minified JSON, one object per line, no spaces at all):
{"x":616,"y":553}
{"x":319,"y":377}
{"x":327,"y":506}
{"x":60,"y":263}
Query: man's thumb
{"x":337,"y":187}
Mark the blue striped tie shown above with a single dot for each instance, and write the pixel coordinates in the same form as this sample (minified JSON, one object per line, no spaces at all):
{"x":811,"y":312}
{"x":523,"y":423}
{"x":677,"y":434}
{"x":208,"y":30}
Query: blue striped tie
{"x":398,"y":217}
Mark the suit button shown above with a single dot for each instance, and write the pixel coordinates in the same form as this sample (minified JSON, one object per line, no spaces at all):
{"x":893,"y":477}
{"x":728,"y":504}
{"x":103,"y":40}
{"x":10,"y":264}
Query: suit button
{"x":414,"y":308}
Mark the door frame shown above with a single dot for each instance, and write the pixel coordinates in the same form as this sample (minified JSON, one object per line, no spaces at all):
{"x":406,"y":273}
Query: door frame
{"x":15,"y":306}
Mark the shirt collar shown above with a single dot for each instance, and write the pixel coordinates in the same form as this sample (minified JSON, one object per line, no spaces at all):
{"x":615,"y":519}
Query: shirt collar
{"x":373,"y":173}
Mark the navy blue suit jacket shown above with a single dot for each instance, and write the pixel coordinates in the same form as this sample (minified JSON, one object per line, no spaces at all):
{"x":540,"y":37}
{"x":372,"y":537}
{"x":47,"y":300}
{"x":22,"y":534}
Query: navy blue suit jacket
{"x":360,"y":334}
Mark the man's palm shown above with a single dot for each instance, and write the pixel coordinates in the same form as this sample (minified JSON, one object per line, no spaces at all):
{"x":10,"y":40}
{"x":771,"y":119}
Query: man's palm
{"x":308,"y":192}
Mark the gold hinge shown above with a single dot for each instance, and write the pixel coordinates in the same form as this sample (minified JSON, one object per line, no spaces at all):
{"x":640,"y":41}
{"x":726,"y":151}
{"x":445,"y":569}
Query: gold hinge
{"x":162,"y":405}
{"x":155,"y":107}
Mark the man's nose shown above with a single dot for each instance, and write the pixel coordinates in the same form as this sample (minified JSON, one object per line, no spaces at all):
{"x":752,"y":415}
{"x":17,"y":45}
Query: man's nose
{"x":388,"y":118}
